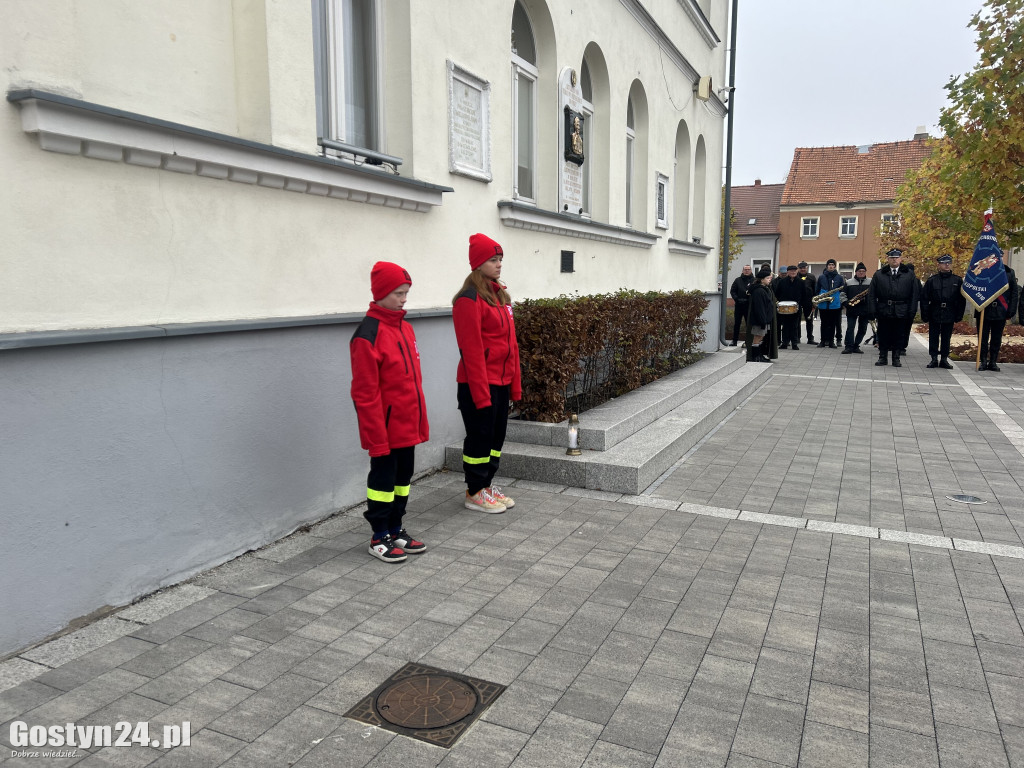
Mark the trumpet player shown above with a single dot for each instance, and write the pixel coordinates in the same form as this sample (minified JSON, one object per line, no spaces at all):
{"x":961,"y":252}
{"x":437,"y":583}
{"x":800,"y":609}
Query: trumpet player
{"x":857,"y":315}
{"x":830,"y":310}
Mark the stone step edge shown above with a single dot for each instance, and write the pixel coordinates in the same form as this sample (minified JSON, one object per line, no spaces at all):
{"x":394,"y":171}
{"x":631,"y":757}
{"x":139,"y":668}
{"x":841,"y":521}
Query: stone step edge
{"x":606,"y":470}
{"x":608,"y":424}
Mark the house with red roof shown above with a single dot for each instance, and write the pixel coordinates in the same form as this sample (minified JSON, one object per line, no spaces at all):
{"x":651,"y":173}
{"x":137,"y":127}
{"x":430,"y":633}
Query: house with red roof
{"x":757,"y":222}
{"x":836,"y":200}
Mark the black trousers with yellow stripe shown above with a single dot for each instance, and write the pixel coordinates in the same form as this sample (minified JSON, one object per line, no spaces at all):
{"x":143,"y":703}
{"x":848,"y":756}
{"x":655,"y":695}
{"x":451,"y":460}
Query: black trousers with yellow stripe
{"x":387,"y":488}
{"x":485,"y":434}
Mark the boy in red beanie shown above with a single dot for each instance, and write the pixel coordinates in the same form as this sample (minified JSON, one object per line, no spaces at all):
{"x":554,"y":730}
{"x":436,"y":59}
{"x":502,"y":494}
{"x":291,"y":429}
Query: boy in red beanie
{"x":387,"y":389}
{"x":488,"y":373}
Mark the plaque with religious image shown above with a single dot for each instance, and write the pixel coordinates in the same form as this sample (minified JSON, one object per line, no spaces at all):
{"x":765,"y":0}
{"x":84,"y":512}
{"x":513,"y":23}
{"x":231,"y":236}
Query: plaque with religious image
{"x":574,"y":136}
{"x":572,"y":143}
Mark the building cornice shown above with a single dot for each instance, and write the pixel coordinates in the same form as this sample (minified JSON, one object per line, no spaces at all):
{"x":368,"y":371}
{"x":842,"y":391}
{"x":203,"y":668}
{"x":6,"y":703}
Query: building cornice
{"x":844,"y":206}
{"x":688,"y":248}
{"x":523,"y":216}
{"x":700,"y":21}
{"x":75,"y":127}
{"x":645,"y":20}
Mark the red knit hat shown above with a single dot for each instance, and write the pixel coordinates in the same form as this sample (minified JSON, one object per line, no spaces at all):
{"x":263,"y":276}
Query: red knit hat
{"x":385,"y":277}
{"x":482,"y":248}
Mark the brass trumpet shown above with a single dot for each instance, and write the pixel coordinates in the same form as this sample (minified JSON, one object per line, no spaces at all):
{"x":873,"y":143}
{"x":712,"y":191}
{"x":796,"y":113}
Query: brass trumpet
{"x":858,"y":298}
{"x":827,"y":296}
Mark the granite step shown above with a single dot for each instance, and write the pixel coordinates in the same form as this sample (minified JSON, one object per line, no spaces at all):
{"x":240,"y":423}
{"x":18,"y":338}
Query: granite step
{"x":636,"y":461}
{"x":608,"y":424}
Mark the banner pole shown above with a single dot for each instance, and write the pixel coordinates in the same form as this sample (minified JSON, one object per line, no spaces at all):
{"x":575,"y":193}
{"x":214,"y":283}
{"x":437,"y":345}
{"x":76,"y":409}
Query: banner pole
{"x":981,"y":324}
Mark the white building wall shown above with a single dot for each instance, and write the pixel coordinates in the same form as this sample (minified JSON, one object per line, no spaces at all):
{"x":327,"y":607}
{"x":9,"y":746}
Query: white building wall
{"x":171,"y":454}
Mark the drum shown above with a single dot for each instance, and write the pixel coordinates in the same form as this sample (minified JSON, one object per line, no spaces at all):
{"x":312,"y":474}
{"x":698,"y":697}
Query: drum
{"x":788,"y":307}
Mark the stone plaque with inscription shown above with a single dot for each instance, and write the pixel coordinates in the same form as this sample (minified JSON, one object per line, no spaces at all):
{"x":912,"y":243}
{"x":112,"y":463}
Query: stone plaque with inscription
{"x":571,"y":150}
{"x":469,"y":134}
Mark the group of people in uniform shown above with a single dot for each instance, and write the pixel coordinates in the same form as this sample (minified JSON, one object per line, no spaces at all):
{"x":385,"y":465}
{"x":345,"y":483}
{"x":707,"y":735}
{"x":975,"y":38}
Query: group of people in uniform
{"x":773,"y":306}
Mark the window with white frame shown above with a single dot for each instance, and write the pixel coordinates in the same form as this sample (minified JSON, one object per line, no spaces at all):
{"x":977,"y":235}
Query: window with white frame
{"x":846,"y":269}
{"x":847,"y":226}
{"x":809,"y":226}
{"x":524,"y":104}
{"x":630,"y":142}
{"x":661,"y":200}
{"x":348,"y":72}
{"x":890,"y":223}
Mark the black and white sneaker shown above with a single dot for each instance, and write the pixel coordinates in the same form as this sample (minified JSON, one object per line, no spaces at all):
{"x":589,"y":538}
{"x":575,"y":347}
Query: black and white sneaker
{"x":386,"y":549}
{"x":408,"y":543}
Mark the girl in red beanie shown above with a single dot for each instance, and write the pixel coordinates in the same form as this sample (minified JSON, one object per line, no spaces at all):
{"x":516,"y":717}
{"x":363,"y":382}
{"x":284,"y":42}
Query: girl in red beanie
{"x":387,"y":389}
{"x":488,"y":373}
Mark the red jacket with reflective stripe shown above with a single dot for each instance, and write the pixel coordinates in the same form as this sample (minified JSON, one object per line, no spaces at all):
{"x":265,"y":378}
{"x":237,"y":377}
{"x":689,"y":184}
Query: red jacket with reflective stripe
{"x":488,"y":351}
{"x":387,"y":386}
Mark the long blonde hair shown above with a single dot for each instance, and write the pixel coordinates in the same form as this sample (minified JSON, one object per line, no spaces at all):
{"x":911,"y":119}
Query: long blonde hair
{"x":484,"y":289}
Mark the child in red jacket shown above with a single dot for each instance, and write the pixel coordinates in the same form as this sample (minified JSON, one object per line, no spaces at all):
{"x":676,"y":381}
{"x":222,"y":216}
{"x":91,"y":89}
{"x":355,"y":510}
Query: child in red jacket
{"x":387,"y":389}
{"x":488,"y":373}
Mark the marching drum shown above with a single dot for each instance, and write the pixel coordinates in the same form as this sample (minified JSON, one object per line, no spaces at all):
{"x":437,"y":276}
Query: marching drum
{"x":788,"y":307}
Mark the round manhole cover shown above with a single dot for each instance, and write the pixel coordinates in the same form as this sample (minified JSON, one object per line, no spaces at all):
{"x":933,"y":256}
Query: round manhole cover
{"x":426,"y":701}
{"x":965,"y":499}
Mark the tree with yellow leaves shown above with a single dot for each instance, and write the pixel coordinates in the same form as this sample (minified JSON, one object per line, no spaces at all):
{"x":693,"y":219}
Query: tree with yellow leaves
{"x":979,"y":162}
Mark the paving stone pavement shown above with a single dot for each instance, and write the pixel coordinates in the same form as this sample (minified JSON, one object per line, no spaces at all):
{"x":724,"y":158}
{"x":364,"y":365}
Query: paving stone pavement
{"x":795,"y":592}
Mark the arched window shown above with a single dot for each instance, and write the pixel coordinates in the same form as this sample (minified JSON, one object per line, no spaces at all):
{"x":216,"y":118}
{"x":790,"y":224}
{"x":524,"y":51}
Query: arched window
{"x":630,"y":159}
{"x":587,"y":89}
{"x":636,"y":157}
{"x":700,"y":193}
{"x":681,"y":223}
{"x":524,"y":104}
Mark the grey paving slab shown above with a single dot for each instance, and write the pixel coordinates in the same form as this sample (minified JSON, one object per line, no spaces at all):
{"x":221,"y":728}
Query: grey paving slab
{"x":855,"y":616}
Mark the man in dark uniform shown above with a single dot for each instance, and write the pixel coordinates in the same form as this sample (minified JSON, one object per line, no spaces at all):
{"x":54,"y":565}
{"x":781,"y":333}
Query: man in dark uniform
{"x":810,"y":284}
{"x":893,"y":298}
{"x":857,"y":316}
{"x":996,"y":315}
{"x":790,"y":288}
{"x":908,"y":325}
{"x":741,"y":301}
{"x":942,"y":305}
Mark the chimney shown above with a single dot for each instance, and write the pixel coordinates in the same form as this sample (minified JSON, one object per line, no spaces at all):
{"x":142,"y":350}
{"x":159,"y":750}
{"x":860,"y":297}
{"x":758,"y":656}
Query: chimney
{"x":922,"y":133}
{"x":757,"y":182}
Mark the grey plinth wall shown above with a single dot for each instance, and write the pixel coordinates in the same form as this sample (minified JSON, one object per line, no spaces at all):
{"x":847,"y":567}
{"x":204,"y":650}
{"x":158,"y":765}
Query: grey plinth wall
{"x":129,"y":465}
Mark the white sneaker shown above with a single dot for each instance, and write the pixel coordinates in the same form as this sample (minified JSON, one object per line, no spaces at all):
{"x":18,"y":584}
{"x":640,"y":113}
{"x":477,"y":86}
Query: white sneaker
{"x":500,"y":497}
{"x":482,"y":501}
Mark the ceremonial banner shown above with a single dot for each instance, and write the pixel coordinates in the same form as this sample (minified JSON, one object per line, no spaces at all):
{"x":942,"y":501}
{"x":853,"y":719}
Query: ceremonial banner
{"x":985,"y":280}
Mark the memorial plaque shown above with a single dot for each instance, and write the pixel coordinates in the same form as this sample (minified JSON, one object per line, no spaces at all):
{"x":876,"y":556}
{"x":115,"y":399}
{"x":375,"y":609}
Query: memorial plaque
{"x":572,"y":149}
{"x":469,"y":135}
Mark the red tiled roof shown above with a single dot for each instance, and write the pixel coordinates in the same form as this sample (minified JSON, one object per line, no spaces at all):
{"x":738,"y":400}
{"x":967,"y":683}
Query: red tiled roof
{"x":759,"y":202}
{"x":848,"y":175}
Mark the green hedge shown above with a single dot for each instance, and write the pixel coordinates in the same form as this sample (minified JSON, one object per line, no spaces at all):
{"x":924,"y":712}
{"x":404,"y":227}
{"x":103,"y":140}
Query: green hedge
{"x":578,"y":352}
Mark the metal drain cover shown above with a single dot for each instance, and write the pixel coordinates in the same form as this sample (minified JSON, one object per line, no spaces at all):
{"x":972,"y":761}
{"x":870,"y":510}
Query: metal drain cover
{"x":964,"y":499}
{"x":426,"y":703}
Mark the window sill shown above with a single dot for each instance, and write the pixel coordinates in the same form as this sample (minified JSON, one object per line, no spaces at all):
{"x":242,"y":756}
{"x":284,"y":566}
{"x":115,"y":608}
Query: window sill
{"x":522,"y":216}
{"x":75,"y":127}
{"x":808,"y":237}
{"x":847,"y":237}
{"x":688,"y":248}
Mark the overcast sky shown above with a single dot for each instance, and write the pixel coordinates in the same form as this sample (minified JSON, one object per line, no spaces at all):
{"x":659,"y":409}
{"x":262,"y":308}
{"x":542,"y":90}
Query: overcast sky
{"x":815,"y":73}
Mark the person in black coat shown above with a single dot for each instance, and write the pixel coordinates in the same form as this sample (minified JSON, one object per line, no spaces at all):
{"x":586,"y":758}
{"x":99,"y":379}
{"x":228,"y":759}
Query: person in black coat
{"x":893,"y":297}
{"x":762,"y":319}
{"x":857,"y":315}
{"x":810,"y":286}
{"x":790,"y":288}
{"x":996,"y":315}
{"x":740,"y":300}
{"x":942,"y":305}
